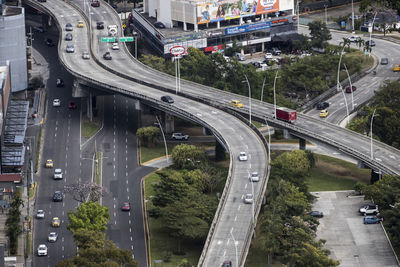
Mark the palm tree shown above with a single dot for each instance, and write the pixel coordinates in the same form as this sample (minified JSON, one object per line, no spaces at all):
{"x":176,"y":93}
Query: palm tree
{"x":346,"y":42}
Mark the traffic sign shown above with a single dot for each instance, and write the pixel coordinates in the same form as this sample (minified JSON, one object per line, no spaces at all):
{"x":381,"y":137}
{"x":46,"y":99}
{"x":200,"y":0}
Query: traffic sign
{"x":108,"y":39}
{"x":126,"y":39}
{"x":177,"y":50}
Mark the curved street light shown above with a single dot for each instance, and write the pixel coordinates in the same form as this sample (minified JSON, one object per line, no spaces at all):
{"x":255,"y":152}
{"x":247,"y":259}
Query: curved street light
{"x":370,"y":133}
{"x":351,"y":88}
{"x":165,"y":142}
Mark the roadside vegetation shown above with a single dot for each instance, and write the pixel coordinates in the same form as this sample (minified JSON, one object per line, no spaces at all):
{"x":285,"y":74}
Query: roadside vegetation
{"x":88,"y":225}
{"x":13,"y":223}
{"x":301,"y":78}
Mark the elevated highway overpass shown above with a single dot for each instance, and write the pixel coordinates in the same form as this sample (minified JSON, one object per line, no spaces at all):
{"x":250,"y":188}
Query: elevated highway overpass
{"x":201,"y":104}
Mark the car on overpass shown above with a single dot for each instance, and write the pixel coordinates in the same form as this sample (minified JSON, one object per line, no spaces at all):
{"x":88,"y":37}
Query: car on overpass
{"x":352,"y":89}
{"x":68,"y":27}
{"x":248,"y":198}
{"x":107,"y":56}
{"x":167,"y":98}
{"x":236,"y":103}
{"x":242,"y":156}
{"x":322,"y":105}
{"x":70,"y":48}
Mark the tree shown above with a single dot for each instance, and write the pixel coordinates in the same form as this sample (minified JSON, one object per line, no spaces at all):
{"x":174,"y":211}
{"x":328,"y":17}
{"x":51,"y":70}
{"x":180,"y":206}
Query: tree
{"x":186,"y":155}
{"x":385,"y":14}
{"x":89,"y":216}
{"x":83,"y":192}
{"x":107,"y":256}
{"x":148,"y":135}
{"x":88,"y":238}
{"x":312,"y":256}
{"x":13,"y":222}
{"x":320,"y":34}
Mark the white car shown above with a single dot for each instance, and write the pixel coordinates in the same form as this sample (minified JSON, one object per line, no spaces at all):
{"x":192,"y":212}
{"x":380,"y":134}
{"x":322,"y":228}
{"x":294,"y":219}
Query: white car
{"x":254,"y":177}
{"x":180,"y":136}
{"x":115,"y":46}
{"x":248,"y":198}
{"x":40,"y":214}
{"x":354,"y":38}
{"x":85,"y":55}
{"x":58,"y":174}
{"x":268,"y":56}
{"x":52,"y":237}
{"x":42,"y":250}
{"x":242,"y":156}
{"x":56,"y":102}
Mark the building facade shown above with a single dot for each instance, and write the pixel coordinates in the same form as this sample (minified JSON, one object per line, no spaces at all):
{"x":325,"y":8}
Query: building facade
{"x":13,"y":45}
{"x":214,"y":25}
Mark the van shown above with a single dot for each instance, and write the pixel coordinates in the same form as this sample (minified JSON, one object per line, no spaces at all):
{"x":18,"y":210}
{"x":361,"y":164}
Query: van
{"x":240,"y":57}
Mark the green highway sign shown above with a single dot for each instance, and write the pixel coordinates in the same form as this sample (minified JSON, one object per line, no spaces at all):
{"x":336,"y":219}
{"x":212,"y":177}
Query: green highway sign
{"x":126,"y":39}
{"x":108,"y":39}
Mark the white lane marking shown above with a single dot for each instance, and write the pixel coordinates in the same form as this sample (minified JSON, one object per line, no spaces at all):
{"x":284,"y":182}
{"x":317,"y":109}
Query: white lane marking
{"x":114,"y":205}
{"x":225,"y":250}
{"x":126,"y":181}
{"x":130,"y":230}
{"x":199,"y":115}
{"x":245,"y":187}
{"x":392,"y":157}
{"x":127,"y":189}
{"x":239,"y":207}
{"x":128,"y":197}
{"x":378,"y":159}
{"x":129,"y":221}
{"x":115,"y":222}
{"x":115,"y":214}
{"x":131,"y":239}
{"x":235,"y":218}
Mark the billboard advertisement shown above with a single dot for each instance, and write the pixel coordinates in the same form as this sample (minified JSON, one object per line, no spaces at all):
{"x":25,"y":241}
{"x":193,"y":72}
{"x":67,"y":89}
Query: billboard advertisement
{"x":248,"y":28}
{"x":219,"y":10}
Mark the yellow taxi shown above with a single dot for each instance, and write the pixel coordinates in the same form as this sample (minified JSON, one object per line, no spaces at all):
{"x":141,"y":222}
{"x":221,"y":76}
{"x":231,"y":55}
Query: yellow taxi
{"x":396,"y":68}
{"x":236,"y":103}
{"x":56,"y":222}
{"x":80,"y":24}
{"x":323,"y":113}
{"x":49,"y":163}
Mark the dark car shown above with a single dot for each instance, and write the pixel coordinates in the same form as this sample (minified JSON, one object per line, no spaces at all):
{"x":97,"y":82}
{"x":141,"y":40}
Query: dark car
{"x":384,"y":61}
{"x":107,"y":56}
{"x":49,"y":42}
{"x":126,"y":206}
{"x":100,"y":25}
{"x":57,"y":197}
{"x":72,"y":105}
{"x":372,"y":43}
{"x":226,"y":264}
{"x":348,"y":90}
{"x":167,"y":98}
{"x":38,"y":29}
{"x":42,"y":1}
{"x":371,"y":219}
{"x":68,"y":37}
{"x":59,"y":82}
{"x":95,"y":3}
{"x":316,"y":214}
{"x":68,"y":27}
{"x":322,"y":105}
{"x":159,"y":24}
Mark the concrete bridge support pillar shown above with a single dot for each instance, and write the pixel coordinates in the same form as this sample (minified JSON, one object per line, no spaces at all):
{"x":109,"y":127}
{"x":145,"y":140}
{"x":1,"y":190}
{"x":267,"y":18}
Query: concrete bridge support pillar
{"x":206,"y":131}
{"x":169,"y":123}
{"x":219,"y":152}
{"x":89,"y":110}
{"x":302,"y":144}
{"x":286,"y":134}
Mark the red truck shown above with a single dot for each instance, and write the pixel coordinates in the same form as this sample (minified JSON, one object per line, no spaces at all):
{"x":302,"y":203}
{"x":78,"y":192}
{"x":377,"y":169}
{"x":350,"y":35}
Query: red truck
{"x":285,"y":114}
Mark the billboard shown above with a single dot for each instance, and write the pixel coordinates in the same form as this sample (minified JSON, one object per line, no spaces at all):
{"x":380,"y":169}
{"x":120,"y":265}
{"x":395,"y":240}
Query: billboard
{"x":219,"y":10}
{"x":248,"y":28}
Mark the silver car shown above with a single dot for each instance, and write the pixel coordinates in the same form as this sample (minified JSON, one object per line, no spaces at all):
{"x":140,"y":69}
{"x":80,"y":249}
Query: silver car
{"x":68,"y":37}
{"x":70,"y":48}
{"x":85,"y":55}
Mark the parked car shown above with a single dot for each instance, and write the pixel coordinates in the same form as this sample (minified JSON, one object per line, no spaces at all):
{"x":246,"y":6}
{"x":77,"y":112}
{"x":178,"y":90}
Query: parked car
{"x":68,"y":36}
{"x":322,"y":105}
{"x":180,"y":136}
{"x":56,"y":102}
{"x":248,"y":198}
{"x":372,"y":219}
{"x":40,"y":214}
{"x":370,"y":209}
{"x":168,"y":99}
{"x":384,"y":61}
{"x":159,"y":25}
{"x":236,"y":103}
{"x":42,"y":250}
{"x":55,"y":222}
{"x":72,"y":105}
{"x":352,"y":89}
{"x":59,"y":82}
{"x":276,"y":51}
{"x":372,"y":43}
{"x":126,"y":206}
{"x":324,"y":113}
{"x":52,"y":237}
{"x":107,"y":56}
{"x":254,"y":177}
{"x":58,"y":175}
{"x":268,"y":56}
{"x":68,"y":27}
{"x":240,"y":56}
{"x":242,"y":156}
{"x":49,"y":163}
{"x":70,"y":48}
{"x":57,"y":196}
{"x":100,"y":25}
{"x":316,"y":214}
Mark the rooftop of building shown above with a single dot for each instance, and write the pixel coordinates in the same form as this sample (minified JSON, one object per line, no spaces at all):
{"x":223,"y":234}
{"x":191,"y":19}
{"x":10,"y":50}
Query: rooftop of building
{"x":11,"y":11}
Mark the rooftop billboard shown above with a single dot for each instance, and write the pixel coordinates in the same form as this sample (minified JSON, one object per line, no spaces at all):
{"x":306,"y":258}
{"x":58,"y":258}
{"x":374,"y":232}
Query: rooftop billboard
{"x":214,"y":11}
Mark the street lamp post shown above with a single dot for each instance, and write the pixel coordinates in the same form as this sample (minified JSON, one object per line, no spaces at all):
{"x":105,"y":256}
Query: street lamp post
{"x":269,"y":144}
{"x":262,"y":90}
{"x":165,"y":142}
{"x":370,"y":33}
{"x":352,"y":16}
{"x":338,"y":85}
{"x":276,"y":76}
{"x":370,"y":133}
{"x":351,"y":88}
{"x":235,"y":244}
{"x":326,"y":14}
{"x":248,"y":84}
{"x":298,"y":14}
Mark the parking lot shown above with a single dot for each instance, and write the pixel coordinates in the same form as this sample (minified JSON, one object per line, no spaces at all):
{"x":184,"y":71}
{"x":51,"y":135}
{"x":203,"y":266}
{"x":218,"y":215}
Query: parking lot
{"x":349,"y":240}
